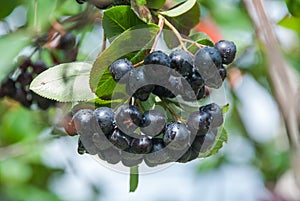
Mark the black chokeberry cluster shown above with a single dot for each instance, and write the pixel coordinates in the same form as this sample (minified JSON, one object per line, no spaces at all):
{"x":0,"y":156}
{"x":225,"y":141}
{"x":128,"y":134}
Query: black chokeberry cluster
{"x":16,"y":85}
{"x":179,"y":73}
{"x":130,"y":136}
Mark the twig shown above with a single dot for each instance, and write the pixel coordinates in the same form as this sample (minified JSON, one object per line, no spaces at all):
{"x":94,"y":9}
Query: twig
{"x":161,"y":23}
{"x":177,"y":34}
{"x":103,"y":47}
{"x":284,"y":80}
{"x":176,"y":117}
{"x":192,"y":42}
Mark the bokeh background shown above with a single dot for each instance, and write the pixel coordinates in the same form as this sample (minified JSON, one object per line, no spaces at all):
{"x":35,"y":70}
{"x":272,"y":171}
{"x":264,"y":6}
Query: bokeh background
{"x":39,"y":162}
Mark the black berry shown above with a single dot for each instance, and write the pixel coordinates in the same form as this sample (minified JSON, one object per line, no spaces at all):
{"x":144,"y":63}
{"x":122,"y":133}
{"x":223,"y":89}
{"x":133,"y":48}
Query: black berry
{"x":227,"y":50}
{"x":158,"y":154}
{"x":111,"y":155}
{"x":138,"y":85}
{"x":120,"y":140}
{"x":105,"y":119}
{"x":223,"y":73}
{"x":128,"y":118}
{"x":176,"y":136}
{"x":119,"y":69}
{"x":157,"y":57}
{"x":86,"y":126}
{"x":199,"y":122}
{"x":67,"y":41}
{"x":215,"y":112}
{"x":207,"y":62}
{"x":162,"y":92}
{"x":154,"y":123}
{"x":157,"y":67}
{"x":141,"y":145}
{"x":182,"y":62}
{"x":81,"y":149}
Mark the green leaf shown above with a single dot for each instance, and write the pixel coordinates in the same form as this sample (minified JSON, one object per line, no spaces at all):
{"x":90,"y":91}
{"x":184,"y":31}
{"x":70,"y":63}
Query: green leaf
{"x":106,"y":102}
{"x":134,"y":178}
{"x":155,"y":4}
{"x":65,"y":82}
{"x":221,"y":137}
{"x":41,"y":14}
{"x":10,"y":46}
{"x":291,"y":22}
{"x":186,"y":21}
{"x":131,"y":40}
{"x":294,"y":7}
{"x":109,"y":90}
{"x":181,"y":9}
{"x":118,"y":19}
{"x":200,"y":38}
{"x":139,"y":2}
{"x":7,"y":6}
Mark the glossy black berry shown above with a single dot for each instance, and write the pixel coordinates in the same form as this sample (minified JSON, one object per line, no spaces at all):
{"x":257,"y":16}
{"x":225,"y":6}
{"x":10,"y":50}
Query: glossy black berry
{"x":207,"y":62}
{"x":141,"y":145}
{"x":106,"y":120}
{"x":201,"y":93}
{"x":138,"y":85}
{"x":176,"y":85}
{"x":182,"y":62}
{"x":158,"y":154}
{"x":199,"y":122}
{"x":195,"y":80}
{"x":67,"y":41}
{"x":223,"y":73}
{"x":209,"y":140}
{"x":154,"y":122}
{"x":80,"y":148}
{"x":111,"y":155}
{"x":197,"y":144}
{"x":101,"y":141}
{"x":176,"y":136}
{"x":157,"y":67}
{"x":157,"y":57}
{"x":120,"y":140}
{"x":215,"y":112}
{"x":162,"y":92}
{"x":119,"y":70}
{"x":144,"y":92}
{"x":227,"y":50}
{"x":186,"y":156}
{"x":86,"y":125}
{"x":128,"y":118}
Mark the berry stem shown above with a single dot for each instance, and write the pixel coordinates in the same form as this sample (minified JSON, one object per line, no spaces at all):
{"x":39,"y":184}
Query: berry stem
{"x":137,"y":64}
{"x":140,"y":106}
{"x":103,"y":47}
{"x":193,"y":42}
{"x":176,"y":117}
{"x":161,"y":23}
{"x":175,"y":31}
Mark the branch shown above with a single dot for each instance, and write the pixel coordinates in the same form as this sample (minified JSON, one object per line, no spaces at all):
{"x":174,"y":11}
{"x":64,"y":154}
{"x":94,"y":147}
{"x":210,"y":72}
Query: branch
{"x":285,"y":81}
